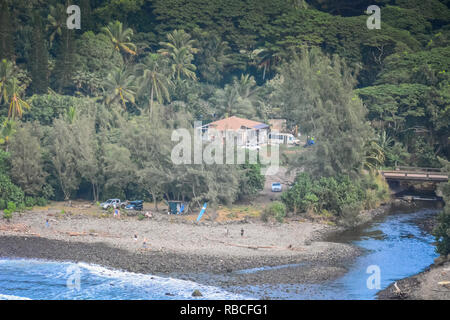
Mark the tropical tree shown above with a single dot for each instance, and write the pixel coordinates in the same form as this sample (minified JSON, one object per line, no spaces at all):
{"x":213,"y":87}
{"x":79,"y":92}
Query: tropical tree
{"x":63,"y":158}
{"x":71,"y":115}
{"x":182,"y":66}
{"x":238,"y":98}
{"x":316,"y":91}
{"x":262,"y":58}
{"x":6,"y":32}
{"x":6,"y":76}
{"x":246,"y":86}
{"x":119,"y":85}
{"x":56,"y":21}
{"x":120,"y":37}
{"x":8,"y":129}
{"x":16,"y":105}
{"x":213,"y":58}
{"x":178,"y":39}
{"x":27,"y":169}
{"x":154,"y":79}
{"x":180,"y":50}
{"x":374,"y":155}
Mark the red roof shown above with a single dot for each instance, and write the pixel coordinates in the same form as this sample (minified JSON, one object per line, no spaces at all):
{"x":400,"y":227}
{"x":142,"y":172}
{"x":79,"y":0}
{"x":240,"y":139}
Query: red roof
{"x":235,"y":123}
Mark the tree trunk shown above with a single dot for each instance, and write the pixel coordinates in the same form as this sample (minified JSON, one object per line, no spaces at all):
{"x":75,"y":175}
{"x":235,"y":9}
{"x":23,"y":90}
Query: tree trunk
{"x":151,"y":103}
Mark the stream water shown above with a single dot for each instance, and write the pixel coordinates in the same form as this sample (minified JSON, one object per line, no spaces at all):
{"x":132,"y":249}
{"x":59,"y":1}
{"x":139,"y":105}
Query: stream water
{"x":395,"y":247}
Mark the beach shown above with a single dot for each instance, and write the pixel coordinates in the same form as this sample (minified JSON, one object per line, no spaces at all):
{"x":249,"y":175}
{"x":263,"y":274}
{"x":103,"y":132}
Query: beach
{"x":177,"y":245}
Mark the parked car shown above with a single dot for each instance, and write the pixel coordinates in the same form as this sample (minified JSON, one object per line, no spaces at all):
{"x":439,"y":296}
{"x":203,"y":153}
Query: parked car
{"x":137,"y":205}
{"x":276,"y":187}
{"x":111,"y":203}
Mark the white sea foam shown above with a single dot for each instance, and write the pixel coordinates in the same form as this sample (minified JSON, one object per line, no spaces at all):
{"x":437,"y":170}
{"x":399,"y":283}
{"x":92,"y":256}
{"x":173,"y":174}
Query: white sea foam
{"x":97,"y":282}
{"x":180,"y":288}
{"x":9,"y":297}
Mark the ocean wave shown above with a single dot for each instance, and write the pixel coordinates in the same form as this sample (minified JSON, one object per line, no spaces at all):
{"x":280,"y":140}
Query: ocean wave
{"x":10,"y":297}
{"x":40,"y":279}
{"x":176,"y":287}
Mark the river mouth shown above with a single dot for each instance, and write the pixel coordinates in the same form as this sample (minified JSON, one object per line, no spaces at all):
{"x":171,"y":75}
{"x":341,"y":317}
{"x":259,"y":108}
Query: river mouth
{"x":394,"y":246}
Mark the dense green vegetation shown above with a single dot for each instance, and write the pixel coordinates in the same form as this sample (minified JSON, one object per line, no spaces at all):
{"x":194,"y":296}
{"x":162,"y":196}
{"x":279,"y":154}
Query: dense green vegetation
{"x":442,"y":230}
{"x":89,"y":113}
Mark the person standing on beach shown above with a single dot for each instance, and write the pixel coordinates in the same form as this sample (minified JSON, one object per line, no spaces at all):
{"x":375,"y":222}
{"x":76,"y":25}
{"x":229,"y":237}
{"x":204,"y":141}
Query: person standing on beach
{"x":144,"y":244}
{"x":47,"y":225}
{"x":242,"y":232}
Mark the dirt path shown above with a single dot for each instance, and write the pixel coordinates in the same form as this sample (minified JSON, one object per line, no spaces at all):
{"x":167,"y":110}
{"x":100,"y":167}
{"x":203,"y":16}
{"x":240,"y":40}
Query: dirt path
{"x":284,"y":177}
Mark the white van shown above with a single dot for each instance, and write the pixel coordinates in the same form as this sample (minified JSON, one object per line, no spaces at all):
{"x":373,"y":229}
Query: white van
{"x":282,"y":138}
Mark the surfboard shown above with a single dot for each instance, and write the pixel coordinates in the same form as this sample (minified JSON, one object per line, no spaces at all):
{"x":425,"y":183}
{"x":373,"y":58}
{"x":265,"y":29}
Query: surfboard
{"x":201,"y":212}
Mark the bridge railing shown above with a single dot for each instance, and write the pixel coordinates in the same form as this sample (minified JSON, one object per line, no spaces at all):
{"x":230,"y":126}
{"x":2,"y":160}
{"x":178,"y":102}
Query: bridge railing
{"x":412,"y":169}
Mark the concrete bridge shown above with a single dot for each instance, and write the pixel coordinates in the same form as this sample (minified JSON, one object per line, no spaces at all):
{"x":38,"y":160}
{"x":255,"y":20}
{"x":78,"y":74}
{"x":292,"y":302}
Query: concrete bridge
{"x":415,"y":174}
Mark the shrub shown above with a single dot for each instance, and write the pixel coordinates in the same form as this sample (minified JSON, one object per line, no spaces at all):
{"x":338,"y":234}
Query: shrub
{"x":7,"y":214}
{"x":11,"y":206}
{"x":276,"y":210}
{"x":326,"y":194}
{"x":30,"y":201}
{"x":350,"y":215}
{"x":47,"y":192}
{"x":41,"y":202}
{"x":141,"y":217}
{"x":442,"y":233}
{"x":21,"y":207}
{"x":442,"y":230}
{"x":252,"y":181}
{"x":9,"y":191}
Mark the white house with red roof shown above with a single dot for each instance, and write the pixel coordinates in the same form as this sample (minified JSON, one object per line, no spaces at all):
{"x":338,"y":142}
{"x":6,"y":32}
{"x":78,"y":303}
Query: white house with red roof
{"x":246,"y":132}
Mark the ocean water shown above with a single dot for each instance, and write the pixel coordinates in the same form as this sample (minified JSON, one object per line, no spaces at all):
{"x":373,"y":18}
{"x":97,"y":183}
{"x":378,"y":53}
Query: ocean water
{"x":38,"y":279}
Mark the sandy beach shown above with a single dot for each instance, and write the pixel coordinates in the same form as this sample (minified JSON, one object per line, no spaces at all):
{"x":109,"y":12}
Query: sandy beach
{"x":178,"y":245}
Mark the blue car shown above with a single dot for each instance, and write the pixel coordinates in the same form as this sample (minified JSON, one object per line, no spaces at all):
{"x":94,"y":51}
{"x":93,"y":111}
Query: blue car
{"x":135,"y":205}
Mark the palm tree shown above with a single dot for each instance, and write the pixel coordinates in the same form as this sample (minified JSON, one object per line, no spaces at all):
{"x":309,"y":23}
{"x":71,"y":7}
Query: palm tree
{"x":374,"y":155}
{"x":120,"y":38}
{"x":238,"y":98}
{"x":6,"y":76}
{"x":119,"y":85}
{"x":178,"y":39}
{"x":246,"y":86}
{"x":155,"y":79}
{"x":7,"y":130}
{"x":181,"y":64}
{"x":71,"y":115}
{"x":262,"y":58}
{"x":56,"y":21}
{"x":180,"y":49}
{"x":17,"y":104}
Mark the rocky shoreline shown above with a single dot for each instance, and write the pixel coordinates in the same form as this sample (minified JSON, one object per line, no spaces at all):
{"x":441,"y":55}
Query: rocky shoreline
{"x":430,"y":284}
{"x":301,"y":246}
{"x":179,"y":248}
